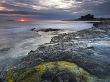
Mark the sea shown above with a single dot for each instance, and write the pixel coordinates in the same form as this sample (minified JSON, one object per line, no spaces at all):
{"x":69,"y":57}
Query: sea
{"x":17,"y":39}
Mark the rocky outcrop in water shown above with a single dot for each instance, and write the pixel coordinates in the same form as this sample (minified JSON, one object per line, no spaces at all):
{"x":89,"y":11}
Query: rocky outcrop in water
{"x":45,"y":30}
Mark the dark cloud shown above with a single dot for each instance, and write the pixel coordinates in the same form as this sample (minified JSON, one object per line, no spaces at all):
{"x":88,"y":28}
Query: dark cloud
{"x":103,"y":10}
{"x":56,"y":9}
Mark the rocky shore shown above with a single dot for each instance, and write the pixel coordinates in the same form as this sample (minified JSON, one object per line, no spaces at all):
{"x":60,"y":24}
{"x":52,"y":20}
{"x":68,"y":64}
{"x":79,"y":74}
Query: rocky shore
{"x":88,"y":48}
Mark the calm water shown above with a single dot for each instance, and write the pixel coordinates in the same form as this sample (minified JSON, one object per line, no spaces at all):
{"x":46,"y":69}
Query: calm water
{"x":17,"y":40}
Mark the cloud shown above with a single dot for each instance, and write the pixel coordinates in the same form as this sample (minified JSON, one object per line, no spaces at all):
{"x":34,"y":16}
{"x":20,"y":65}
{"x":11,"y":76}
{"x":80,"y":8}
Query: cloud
{"x":58,"y":8}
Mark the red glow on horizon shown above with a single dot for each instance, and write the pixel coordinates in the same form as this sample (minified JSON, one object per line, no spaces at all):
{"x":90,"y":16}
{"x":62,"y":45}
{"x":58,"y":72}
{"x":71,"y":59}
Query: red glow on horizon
{"x":22,"y":19}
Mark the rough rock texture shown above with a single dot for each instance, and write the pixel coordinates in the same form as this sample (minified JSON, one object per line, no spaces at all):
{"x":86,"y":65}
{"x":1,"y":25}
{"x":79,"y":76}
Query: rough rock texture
{"x":60,"y":71}
{"x":86,"y":48}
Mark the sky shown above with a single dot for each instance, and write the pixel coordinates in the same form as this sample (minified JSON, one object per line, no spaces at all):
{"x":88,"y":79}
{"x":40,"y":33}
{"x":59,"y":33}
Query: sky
{"x":55,"y":9}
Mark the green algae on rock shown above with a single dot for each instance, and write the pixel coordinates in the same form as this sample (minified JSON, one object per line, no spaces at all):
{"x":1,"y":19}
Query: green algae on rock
{"x":59,"y":71}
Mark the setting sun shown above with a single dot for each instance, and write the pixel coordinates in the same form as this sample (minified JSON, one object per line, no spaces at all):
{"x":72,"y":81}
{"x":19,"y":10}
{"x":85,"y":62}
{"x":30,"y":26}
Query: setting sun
{"x":1,"y":7}
{"x":23,"y":19}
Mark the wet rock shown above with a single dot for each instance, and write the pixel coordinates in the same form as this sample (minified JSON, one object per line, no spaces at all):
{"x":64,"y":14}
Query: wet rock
{"x":44,"y":30}
{"x":49,"y":29}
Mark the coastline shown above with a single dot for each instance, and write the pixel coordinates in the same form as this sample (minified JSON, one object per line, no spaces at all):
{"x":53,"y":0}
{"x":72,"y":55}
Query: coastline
{"x":81,"y":48}
{"x":84,"y":48}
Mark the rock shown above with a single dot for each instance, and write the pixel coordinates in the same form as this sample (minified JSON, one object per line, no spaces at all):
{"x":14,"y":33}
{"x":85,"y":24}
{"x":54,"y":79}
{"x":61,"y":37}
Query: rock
{"x":44,"y":30}
{"x":1,"y":80}
{"x":83,"y":51}
{"x":60,"y":71}
{"x":48,"y":29}
{"x":33,"y":29}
